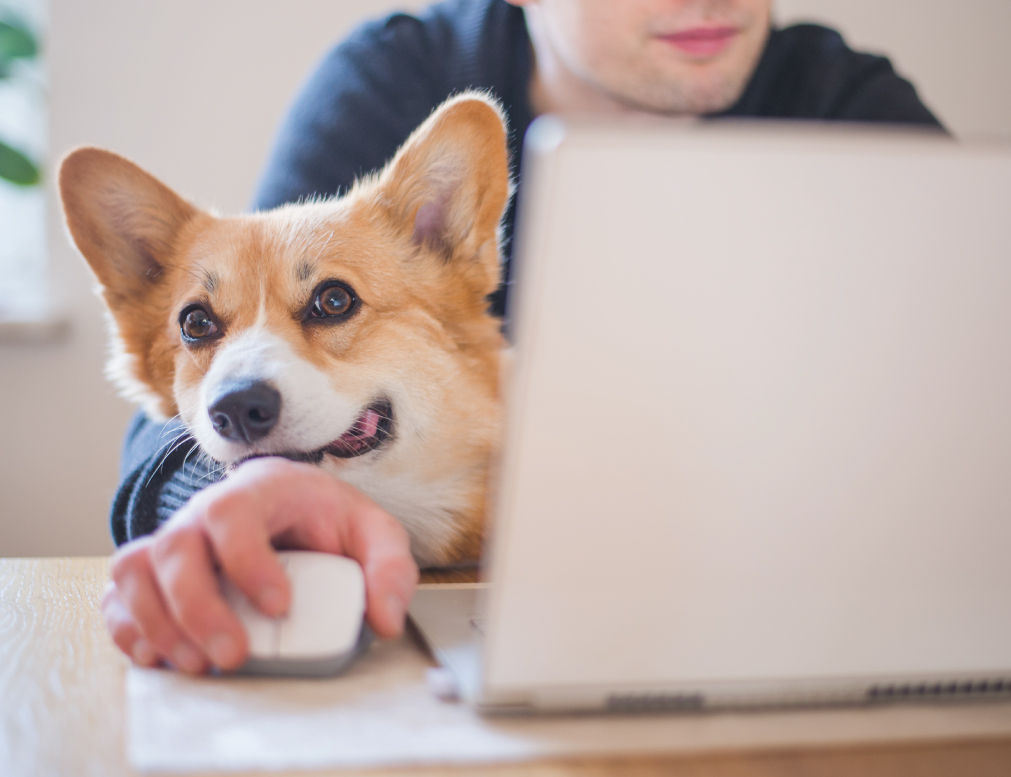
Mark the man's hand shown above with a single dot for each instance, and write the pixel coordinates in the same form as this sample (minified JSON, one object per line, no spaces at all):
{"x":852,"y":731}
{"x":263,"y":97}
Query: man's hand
{"x":164,"y":602}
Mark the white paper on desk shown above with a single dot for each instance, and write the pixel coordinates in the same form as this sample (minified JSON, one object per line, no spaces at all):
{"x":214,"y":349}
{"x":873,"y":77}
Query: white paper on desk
{"x":381,"y":714}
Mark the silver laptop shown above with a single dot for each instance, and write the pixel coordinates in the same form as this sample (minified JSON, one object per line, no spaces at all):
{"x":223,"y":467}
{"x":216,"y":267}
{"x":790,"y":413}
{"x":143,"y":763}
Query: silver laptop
{"x":759,"y":435}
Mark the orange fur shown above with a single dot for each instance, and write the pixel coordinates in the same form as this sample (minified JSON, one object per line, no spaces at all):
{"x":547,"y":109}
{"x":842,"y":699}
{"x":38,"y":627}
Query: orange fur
{"x":417,"y":242}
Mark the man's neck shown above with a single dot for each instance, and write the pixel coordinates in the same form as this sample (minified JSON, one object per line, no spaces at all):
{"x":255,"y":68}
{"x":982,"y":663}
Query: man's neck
{"x":556,"y":89}
{"x":552,"y":92}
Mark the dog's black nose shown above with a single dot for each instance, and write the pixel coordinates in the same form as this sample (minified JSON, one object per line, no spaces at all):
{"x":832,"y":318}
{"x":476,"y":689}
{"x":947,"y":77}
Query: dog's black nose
{"x":245,"y":412}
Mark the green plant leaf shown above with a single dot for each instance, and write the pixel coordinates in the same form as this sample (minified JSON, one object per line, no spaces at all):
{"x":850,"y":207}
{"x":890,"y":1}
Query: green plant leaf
{"x":17,"y":168}
{"x":16,"y":42}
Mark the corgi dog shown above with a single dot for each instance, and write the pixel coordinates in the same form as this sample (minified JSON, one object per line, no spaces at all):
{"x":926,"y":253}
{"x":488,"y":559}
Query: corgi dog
{"x":351,"y":332}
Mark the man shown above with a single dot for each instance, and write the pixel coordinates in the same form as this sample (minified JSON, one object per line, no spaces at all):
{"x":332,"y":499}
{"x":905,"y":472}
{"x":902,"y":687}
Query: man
{"x":712,"y":58}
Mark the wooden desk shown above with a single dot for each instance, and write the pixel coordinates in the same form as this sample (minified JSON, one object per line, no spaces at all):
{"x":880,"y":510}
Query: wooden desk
{"x":62,"y":703}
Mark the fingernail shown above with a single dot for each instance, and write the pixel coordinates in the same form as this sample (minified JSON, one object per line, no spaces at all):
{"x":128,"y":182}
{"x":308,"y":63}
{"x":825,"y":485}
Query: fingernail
{"x":143,"y":654}
{"x":187,"y":658}
{"x":271,"y":600}
{"x":222,"y":649}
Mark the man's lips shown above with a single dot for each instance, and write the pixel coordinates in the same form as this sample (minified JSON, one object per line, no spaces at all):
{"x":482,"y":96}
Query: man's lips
{"x":701,"y":42}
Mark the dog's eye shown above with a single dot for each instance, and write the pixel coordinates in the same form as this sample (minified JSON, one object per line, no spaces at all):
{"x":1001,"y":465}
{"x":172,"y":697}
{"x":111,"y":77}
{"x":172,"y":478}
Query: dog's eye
{"x":197,"y":324}
{"x":333,"y":300}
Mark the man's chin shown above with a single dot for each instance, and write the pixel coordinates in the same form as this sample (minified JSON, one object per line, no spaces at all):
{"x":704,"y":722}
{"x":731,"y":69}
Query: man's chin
{"x":673,"y":94}
{"x":702,"y":88}
{"x":702,"y":102}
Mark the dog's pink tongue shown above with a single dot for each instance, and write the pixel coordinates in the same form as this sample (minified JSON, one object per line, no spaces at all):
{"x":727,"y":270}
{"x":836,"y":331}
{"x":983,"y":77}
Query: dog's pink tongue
{"x":361,"y":437}
{"x":367,"y":425}
{"x":361,"y":432}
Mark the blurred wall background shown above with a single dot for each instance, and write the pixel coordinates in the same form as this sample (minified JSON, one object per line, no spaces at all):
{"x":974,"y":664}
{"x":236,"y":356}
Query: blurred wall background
{"x":193,"y":91}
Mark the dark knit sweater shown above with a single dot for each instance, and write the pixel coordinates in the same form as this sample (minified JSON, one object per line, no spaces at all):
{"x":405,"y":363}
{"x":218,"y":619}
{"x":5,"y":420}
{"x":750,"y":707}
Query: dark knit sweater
{"x":372,"y":90}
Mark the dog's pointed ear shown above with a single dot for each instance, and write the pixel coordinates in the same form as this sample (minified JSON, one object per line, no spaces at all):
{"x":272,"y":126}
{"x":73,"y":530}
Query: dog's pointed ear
{"x":449,"y":183}
{"x":123,"y":220}
{"x":127,"y":225}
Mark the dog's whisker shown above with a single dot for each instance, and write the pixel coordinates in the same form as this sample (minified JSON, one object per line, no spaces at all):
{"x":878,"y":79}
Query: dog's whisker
{"x":190,"y":453}
{"x":170,"y":447}
{"x":171,"y":426}
{"x":168,"y":428}
{"x":212,"y":475}
{"x":174,"y":445}
{"x":212,"y":468}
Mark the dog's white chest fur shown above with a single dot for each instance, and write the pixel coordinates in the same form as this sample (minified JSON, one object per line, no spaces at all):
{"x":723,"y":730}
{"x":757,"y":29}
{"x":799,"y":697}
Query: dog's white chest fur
{"x":428,"y":510}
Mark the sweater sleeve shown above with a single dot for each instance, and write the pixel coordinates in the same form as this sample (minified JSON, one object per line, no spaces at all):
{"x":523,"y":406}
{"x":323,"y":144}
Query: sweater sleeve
{"x":358,"y":106}
{"x":161,"y":469}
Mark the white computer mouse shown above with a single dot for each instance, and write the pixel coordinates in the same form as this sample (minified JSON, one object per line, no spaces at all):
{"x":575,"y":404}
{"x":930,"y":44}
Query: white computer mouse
{"x":324,"y":630}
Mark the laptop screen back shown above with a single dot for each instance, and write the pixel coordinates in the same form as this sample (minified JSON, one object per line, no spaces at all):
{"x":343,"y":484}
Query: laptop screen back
{"x":759,"y":427}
